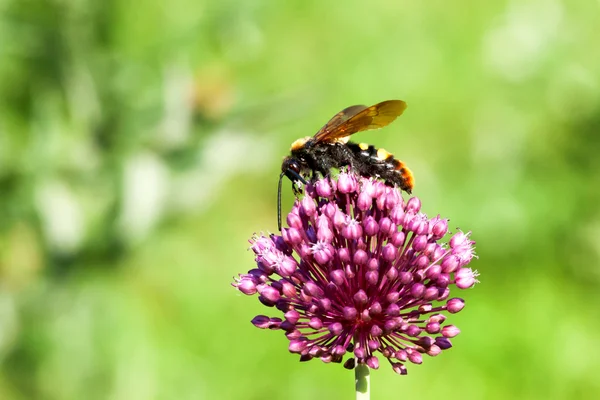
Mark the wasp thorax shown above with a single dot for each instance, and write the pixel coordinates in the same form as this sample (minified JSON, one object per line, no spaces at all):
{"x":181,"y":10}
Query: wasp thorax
{"x":299,"y":143}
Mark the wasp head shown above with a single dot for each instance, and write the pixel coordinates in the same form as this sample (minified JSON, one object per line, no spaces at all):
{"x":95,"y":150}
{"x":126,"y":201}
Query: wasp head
{"x":291,"y":168}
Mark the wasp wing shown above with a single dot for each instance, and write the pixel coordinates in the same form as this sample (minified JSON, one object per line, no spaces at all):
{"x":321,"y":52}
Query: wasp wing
{"x":341,"y":117}
{"x":360,"y":118}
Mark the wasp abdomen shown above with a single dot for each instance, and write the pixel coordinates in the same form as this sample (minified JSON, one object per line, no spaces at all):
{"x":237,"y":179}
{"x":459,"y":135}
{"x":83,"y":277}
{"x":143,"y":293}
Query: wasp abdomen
{"x":378,"y":162}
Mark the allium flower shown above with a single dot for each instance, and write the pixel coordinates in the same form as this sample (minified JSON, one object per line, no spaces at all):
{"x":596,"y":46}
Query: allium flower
{"x":360,"y":271}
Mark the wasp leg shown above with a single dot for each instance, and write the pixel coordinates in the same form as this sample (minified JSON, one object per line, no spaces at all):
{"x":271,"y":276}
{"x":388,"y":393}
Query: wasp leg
{"x":296,"y":188}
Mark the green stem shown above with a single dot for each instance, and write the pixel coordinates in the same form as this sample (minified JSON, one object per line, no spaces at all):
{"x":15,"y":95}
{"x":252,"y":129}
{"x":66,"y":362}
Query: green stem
{"x":362,"y":382}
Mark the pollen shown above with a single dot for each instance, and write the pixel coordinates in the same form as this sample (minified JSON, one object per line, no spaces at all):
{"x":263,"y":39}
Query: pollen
{"x":363,"y":146}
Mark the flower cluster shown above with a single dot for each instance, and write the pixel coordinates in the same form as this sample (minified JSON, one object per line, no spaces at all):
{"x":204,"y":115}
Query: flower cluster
{"x":360,"y":270}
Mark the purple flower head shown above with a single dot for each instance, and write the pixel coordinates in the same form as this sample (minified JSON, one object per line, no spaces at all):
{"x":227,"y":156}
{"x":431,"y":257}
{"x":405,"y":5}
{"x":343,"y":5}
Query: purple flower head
{"x":360,"y":272}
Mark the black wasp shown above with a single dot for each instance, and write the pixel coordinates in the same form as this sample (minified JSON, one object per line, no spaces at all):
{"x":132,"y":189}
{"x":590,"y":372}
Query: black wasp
{"x":330,"y":148}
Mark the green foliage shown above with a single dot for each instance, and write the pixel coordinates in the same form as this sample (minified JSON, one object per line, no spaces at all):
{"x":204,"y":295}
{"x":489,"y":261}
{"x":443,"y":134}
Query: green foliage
{"x":140,"y":144}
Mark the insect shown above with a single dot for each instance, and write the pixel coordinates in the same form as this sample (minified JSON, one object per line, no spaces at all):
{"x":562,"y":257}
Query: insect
{"x":330,"y":148}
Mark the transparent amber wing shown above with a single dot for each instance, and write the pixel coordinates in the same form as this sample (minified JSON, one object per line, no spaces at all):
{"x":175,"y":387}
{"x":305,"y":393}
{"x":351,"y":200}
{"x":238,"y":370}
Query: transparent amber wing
{"x":360,"y":118}
{"x":341,"y":117}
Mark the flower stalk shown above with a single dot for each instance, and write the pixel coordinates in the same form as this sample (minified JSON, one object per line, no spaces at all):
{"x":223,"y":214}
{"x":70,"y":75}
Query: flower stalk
{"x":362,"y":381}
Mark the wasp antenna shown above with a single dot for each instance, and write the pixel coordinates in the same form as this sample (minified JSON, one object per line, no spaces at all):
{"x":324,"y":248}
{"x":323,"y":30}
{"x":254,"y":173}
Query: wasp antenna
{"x":279,"y":201}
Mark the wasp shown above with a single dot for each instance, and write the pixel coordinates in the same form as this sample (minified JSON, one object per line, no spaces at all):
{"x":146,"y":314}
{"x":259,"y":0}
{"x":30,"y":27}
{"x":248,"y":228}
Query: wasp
{"x":330,"y":148}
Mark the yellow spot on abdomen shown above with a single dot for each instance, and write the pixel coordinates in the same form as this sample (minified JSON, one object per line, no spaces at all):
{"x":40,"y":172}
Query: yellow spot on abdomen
{"x":363,"y":146}
{"x":382,"y":154}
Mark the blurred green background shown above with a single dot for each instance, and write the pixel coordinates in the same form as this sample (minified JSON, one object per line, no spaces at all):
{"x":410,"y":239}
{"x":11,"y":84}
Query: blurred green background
{"x":140,"y":145}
